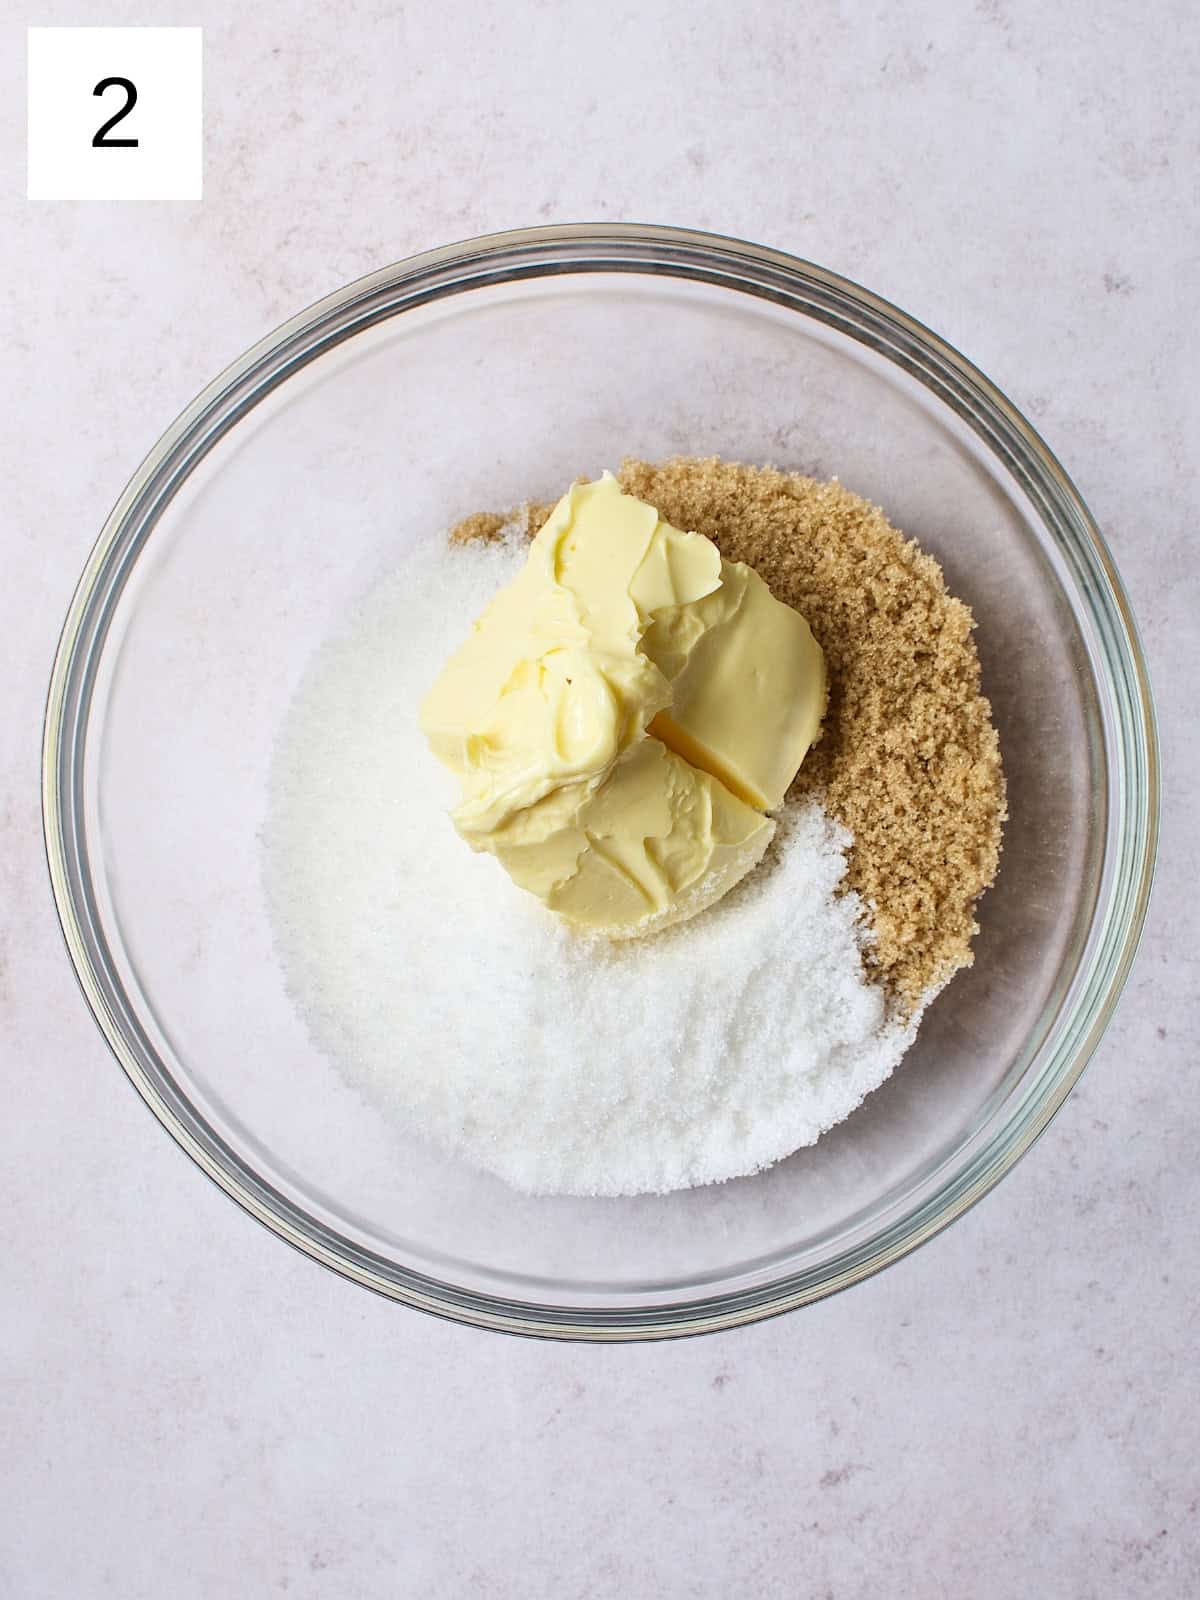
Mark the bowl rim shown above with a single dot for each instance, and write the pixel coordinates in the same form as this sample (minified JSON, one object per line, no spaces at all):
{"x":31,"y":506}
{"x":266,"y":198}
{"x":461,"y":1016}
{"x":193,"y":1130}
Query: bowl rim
{"x":1131,"y":744}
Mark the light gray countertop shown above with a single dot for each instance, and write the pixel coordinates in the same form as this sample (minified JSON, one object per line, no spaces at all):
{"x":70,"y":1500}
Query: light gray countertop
{"x":191,"y":1410}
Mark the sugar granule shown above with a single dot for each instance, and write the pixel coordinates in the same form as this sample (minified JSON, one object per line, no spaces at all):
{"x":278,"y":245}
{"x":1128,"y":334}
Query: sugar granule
{"x":472,"y":1017}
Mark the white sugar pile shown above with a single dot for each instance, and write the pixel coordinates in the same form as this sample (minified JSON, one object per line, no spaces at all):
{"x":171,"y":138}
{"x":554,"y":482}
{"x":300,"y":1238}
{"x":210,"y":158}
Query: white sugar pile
{"x":473,"y":1017}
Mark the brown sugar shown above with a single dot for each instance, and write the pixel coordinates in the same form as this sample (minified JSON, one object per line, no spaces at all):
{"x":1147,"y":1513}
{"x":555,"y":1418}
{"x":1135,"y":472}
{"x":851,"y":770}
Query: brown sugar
{"x":909,"y":760}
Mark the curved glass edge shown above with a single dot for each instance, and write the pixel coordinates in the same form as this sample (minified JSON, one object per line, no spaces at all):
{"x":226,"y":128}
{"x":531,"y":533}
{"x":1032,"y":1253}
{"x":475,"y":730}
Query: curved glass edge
{"x":735,"y":264}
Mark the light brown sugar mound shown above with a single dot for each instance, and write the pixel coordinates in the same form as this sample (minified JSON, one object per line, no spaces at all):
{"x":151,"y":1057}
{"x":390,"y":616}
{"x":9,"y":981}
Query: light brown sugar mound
{"x":908,"y":760}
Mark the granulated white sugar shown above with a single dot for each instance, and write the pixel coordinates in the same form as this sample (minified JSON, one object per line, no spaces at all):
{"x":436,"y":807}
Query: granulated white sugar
{"x":472,"y":1017}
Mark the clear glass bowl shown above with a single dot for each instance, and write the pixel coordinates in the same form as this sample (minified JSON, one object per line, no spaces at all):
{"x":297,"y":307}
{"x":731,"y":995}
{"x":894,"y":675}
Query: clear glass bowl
{"x":476,"y":376}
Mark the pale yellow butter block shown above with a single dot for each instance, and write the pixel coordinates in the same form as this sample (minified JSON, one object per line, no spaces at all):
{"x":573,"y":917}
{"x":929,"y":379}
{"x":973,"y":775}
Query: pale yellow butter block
{"x":622,"y":714}
{"x":749,"y":693}
{"x":625,"y":852}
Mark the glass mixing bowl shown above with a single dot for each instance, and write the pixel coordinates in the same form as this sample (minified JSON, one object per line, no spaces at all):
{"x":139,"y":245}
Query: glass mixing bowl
{"x":478,"y":376}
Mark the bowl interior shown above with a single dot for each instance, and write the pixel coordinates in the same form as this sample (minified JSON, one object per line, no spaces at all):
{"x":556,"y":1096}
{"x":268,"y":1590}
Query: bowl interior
{"x":352,"y":468}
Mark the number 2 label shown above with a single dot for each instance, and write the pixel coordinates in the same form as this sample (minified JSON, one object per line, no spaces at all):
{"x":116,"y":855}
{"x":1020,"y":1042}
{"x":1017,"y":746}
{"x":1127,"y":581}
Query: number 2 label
{"x":138,"y":92}
{"x":100,"y":139}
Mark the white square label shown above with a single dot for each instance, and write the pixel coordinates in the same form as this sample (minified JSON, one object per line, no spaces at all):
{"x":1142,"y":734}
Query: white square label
{"x":115,"y":114}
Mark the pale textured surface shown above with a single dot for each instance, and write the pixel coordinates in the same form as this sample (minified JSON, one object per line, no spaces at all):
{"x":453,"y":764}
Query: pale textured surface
{"x":189,"y":1409}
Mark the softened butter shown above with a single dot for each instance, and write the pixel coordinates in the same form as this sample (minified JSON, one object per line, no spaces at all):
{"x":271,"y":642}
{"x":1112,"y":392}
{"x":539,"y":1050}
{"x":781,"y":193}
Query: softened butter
{"x":623,"y":714}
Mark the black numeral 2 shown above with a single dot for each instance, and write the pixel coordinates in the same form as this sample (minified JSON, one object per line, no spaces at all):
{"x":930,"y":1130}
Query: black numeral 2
{"x":100,"y":141}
